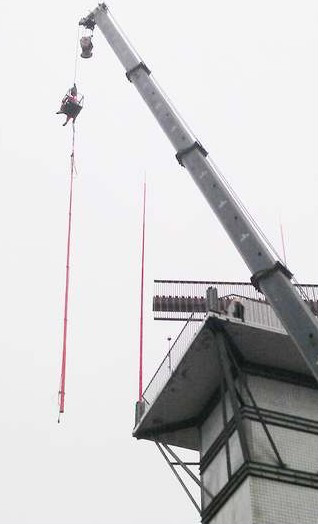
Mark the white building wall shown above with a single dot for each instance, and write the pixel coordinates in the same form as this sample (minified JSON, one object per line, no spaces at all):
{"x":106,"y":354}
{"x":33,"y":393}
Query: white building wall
{"x":215,"y":476}
{"x":213,"y":425}
{"x":279,"y":503}
{"x":297,"y":449}
{"x":238,"y":509}
{"x":290,"y":399}
{"x":263,"y":501}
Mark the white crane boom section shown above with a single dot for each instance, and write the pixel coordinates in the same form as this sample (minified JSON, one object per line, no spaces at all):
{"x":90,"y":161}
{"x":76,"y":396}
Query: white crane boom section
{"x":268,"y":275}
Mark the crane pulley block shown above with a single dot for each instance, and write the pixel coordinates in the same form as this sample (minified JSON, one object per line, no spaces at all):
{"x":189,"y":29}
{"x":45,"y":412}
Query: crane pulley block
{"x":87,"y":46}
{"x":88,"y":22}
{"x":86,"y":41}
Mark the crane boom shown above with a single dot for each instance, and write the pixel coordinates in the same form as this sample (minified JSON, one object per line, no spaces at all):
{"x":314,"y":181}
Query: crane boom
{"x":269,"y":276}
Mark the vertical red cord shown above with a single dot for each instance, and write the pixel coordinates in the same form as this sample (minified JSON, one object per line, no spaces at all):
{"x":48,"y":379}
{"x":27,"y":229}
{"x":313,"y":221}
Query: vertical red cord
{"x":142,"y":295}
{"x":67,"y":280}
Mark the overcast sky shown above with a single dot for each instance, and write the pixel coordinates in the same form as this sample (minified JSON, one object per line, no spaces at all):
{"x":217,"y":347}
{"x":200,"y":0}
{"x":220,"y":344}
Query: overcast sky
{"x":244,"y":75}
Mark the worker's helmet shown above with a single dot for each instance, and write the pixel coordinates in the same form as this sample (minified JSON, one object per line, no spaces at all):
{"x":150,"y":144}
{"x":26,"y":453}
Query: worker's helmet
{"x":87,"y":46}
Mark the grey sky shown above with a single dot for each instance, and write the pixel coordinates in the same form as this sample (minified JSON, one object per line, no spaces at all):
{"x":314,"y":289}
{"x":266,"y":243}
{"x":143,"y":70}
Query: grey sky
{"x":244,"y":75}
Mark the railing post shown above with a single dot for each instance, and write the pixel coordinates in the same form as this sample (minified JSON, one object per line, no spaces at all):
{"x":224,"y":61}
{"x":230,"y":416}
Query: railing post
{"x":212,"y":303}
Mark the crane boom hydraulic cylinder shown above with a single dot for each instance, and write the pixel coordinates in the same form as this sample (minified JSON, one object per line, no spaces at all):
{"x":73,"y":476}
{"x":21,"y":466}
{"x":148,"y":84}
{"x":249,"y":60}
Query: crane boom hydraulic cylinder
{"x":268,"y":275}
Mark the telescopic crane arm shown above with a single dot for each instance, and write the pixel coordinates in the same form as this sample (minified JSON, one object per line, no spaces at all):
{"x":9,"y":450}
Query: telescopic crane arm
{"x":268,"y":275}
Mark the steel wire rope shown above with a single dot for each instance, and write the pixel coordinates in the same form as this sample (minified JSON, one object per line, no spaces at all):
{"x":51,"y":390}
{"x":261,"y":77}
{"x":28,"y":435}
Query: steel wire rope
{"x":257,"y":228}
{"x":231,"y":190}
{"x":160,"y":89}
{"x":234,"y":195}
{"x":238,"y":201}
{"x":245,"y":211}
{"x":76,"y":55}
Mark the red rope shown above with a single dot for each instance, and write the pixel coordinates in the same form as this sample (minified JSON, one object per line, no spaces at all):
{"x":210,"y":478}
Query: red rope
{"x":67,"y":281}
{"x":142,"y":296}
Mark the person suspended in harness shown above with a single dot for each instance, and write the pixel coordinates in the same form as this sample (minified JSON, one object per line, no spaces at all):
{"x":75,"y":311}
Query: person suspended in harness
{"x":71,"y":105}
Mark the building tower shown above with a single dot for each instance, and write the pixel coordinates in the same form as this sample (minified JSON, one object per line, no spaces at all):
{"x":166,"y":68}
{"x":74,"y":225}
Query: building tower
{"x":235,"y":388}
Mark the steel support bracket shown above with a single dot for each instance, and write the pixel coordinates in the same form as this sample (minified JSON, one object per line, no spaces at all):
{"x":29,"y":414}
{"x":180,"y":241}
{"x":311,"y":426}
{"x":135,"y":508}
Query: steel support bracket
{"x":161,"y":447}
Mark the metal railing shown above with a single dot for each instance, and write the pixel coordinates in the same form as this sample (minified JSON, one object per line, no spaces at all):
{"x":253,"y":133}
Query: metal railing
{"x":172,"y":359}
{"x":176,"y":299}
{"x":256,"y":312}
{"x":198,"y":288}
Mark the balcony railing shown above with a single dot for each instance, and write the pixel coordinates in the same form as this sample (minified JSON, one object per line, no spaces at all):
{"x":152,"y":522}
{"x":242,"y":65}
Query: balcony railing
{"x":172,"y":359}
{"x":176,"y":300}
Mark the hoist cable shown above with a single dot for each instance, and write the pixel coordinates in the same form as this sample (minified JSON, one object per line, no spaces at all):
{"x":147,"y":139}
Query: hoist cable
{"x":257,"y":228}
{"x":67,"y":279}
{"x":246,"y":213}
{"x":141,"y":328}
{"x":76,"y":55}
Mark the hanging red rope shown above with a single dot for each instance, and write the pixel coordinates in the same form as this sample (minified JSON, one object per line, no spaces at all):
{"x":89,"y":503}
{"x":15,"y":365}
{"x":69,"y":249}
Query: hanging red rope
{"x":142,"y":296}
{"x":67,"y":281}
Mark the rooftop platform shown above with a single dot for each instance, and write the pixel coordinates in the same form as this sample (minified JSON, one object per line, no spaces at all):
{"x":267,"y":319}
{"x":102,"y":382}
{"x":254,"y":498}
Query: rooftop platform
{"x":188,"y":380}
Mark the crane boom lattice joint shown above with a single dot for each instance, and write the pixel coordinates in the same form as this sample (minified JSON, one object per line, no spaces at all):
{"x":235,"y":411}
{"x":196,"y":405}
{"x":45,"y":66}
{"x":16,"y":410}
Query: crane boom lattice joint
{"x":185,"y":151}
{"x":259,"y":275}
{"x":141,"y":65}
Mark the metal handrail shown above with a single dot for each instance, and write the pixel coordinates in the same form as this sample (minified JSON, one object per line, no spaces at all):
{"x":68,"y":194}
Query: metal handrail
{"x":172,"y":359}
{"x":197,"y":288}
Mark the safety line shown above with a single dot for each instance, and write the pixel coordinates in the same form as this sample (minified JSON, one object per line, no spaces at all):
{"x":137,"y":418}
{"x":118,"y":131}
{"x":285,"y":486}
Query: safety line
{"x":67,"y":281}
